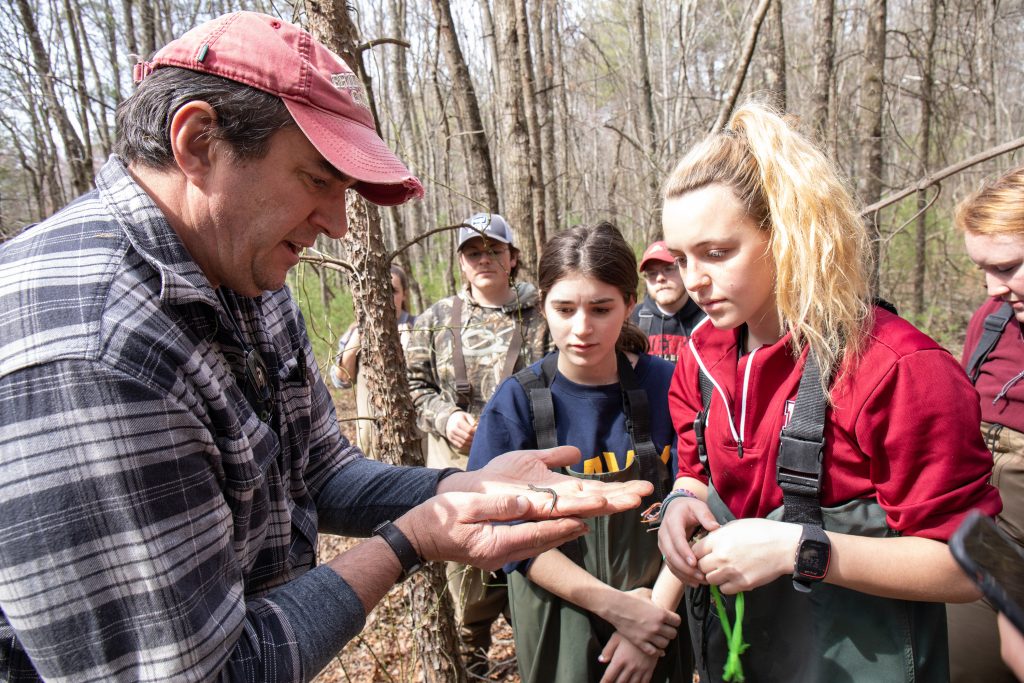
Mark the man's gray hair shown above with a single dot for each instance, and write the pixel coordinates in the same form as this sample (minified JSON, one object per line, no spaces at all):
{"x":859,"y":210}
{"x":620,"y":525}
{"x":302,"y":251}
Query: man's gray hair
{"x":246,"y":117}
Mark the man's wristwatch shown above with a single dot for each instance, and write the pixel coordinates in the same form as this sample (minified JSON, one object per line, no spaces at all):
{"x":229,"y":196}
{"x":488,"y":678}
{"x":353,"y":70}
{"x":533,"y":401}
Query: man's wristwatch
{"x":812,"y":558}
{"x":400,"y":545}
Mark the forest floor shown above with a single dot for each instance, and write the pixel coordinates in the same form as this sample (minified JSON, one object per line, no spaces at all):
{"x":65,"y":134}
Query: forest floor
{"x":385,"y":650}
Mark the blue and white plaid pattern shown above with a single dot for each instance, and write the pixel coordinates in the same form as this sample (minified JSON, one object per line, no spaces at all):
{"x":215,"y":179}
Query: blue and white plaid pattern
{"x":145,"y":511}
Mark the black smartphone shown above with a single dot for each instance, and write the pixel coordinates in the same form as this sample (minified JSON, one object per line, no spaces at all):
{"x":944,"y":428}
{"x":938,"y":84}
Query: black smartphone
{"x":994,"y":561}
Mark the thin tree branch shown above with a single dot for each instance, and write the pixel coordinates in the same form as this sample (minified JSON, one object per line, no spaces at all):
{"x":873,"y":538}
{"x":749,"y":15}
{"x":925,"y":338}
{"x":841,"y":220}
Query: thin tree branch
{"x":370,"y":44}
{"x":939,"y":176}
{"x":427,"y":234}
{"x":741,"y":67}
{"x":318,"y":258}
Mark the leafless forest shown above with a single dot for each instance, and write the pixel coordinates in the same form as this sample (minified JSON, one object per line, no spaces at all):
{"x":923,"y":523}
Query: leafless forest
{"x":557,"y":112}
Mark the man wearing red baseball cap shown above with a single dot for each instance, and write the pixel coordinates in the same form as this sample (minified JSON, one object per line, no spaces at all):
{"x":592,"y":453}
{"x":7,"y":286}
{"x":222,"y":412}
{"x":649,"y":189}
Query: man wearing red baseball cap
{"x":667,"y":315}
{"x":170,"y":451}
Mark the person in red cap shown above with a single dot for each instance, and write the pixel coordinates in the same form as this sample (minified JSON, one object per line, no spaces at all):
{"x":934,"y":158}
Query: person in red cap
{"x":667,"y":315}
{"x":169,"y":449}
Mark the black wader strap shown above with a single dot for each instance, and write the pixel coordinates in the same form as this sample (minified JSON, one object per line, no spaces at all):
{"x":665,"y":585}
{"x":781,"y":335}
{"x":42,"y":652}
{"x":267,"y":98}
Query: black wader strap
{"x":463,"y":389}
{"x":993,"y":330}
{"x":542,"y":412}
{"x":645,"y":320}
{"x":638,"y":421}
{"x":802,"y":443}
{"x":701,"y":422}
{"x":542,"y":409}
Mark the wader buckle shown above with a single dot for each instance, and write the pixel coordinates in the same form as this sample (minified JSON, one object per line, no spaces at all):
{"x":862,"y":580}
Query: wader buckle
{"x":799,"y":465}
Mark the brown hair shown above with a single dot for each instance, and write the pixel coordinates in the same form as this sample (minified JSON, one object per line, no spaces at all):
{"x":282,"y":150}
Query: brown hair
{"x":403,"y":280}
{"x":995,"y":209}
{"x":599,"y":252}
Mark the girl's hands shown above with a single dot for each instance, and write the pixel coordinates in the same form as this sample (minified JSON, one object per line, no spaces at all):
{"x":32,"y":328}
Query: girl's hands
{"x":682,"y":518}
{"x":648,"y":626}
{"x":747,"y":553}
{"x":626,"y":662}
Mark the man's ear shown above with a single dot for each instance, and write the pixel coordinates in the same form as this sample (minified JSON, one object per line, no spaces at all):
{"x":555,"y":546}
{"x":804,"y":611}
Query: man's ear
{"x":191,"y":142}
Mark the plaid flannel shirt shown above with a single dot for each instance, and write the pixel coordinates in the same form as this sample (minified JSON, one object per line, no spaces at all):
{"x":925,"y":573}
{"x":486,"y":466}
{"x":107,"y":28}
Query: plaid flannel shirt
{"x":151,"y":526}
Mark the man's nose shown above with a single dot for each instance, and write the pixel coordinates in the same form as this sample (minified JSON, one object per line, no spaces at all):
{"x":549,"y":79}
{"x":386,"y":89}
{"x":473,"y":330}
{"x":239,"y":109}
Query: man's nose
{"x":331,"y":218}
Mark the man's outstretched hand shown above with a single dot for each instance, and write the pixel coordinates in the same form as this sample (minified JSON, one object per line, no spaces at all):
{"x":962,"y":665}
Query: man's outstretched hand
{"x":528,"y":473}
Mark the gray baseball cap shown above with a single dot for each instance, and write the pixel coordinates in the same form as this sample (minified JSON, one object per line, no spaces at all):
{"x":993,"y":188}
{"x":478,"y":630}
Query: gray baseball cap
{"x":490,"y":225}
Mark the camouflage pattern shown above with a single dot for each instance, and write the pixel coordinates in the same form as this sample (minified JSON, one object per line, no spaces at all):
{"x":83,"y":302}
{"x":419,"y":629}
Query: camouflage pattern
{"x":486,"y":332}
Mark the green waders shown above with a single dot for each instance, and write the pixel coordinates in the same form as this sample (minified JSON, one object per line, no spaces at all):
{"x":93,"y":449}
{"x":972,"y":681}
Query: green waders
{"x":556,"y":641}
{"x":829,"y":635}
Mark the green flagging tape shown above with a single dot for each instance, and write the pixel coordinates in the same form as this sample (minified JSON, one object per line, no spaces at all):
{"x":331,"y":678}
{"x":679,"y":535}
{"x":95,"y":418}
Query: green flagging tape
{"x":733,"y":670}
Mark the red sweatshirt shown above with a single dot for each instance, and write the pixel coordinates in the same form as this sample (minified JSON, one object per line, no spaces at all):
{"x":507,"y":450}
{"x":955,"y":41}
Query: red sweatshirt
{"x":903,"y":430}
{"x":1003,"y":369}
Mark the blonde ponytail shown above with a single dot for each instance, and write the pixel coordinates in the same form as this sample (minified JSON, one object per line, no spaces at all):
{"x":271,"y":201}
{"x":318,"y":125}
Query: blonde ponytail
{"x":817,"y":240}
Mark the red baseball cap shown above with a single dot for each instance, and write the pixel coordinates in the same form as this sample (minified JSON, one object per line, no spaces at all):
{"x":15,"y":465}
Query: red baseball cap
{"x":658,"y":251}
{"x":322,"y":94}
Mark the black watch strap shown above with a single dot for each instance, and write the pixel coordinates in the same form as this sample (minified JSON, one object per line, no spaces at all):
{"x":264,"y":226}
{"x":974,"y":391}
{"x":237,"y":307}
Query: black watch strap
{"x":400,"y":545}
{"x":813,"y":553}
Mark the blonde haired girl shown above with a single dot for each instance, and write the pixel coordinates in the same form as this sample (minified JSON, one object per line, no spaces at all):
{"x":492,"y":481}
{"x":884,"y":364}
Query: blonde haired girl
{"x":844,"y":581}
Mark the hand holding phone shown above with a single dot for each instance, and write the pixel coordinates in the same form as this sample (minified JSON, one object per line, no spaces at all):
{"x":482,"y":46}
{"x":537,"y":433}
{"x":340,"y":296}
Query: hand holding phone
{"x":994,"y":561}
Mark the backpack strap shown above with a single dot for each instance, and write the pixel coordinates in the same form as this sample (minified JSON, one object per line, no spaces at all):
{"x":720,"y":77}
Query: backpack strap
{"x":542,"y":414}
{"x":701,"y":422}
{"x":802,"y":444}
{"x":463,"y":389}
{"x":515,"y":345}
{"x":542,"y":408}
{"x":644,"y":320}
{"x":638,"y":421}
{"x":994,"y":325}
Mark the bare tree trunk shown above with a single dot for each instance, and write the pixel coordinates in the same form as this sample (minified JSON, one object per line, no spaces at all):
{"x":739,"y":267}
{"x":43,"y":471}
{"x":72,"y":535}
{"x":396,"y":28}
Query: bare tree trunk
{"x":148,"y":20}
{"x":73,"y":21}
{"x":481,"y":174}
{"x":989,"y":50}
{"x":545,"y":23}
{"x":924,"y":152}
{"x":78,"y":162}
{"x":824,"y":69}
{"x":532,"y":124}
{"x":397,"y":439}
{"x":129,"y":27}
{"x":775,"y":56}
{"x":648,"y":127}
{"x":869,"y":125}
{"x":514,"y":137}
{"x":409,"y":129}
{"x":742,"y":65}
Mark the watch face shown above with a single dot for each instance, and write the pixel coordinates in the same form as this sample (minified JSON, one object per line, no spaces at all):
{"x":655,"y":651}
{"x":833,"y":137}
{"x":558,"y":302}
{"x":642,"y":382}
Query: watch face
{"x":812,"y":560}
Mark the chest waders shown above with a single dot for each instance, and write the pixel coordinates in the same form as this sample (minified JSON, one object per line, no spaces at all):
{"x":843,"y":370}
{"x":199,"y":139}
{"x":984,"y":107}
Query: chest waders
{"x":830,"y":634}
{"x":556,"y":641}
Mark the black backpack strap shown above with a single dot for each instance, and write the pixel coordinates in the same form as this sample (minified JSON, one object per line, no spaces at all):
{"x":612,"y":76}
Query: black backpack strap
{"x":993,"y":328}
{"x":802,"y":444}
{"x":638,"y":421}
{"x":542,"y":408}
{"x":542,"y":414}
{"x":644,"y":320}
{"x":887,"y":305}
{"x":701,"y":422}
{"x":463,"y":389}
